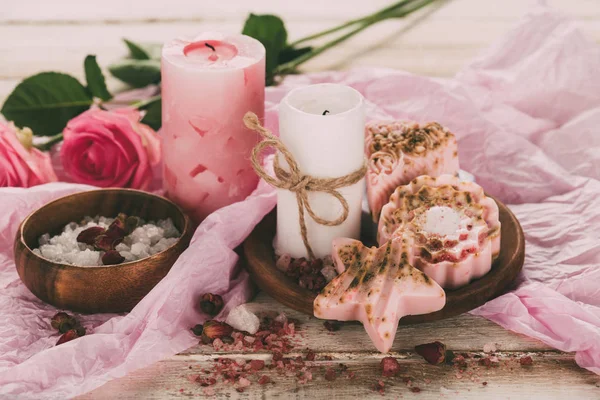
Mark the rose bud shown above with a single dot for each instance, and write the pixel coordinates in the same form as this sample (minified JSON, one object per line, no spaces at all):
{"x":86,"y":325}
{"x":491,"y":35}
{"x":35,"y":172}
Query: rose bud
{"x":116,"y":230}
{"x":112,"y":257}
{"x":106,"y":243}
{"x":216,"y":329}
{"x":68,"y":336}
{"x":89,"y":235}
{"x":211,"y":304}
{"x":434,"y":353}
{"x":63,"y":322}
{"x":389,"y":366}
{"x":131,"y":223}
{"x":197,"y":329}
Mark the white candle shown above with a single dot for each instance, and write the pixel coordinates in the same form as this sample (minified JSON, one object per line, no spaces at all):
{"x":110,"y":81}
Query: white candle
{"x":323,"y":127}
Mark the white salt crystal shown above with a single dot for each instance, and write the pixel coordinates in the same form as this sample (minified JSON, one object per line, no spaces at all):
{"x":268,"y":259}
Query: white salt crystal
{"x":137,"y":249}
{"x":148,"y":239}
{"x":243,"y":320}
{"x":168,"y":228}
{"x":44,"y":239}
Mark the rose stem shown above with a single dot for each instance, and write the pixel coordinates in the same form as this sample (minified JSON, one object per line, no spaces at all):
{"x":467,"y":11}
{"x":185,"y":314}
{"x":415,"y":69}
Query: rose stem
{"x":292,"y":65}
{"x":351,"y":22}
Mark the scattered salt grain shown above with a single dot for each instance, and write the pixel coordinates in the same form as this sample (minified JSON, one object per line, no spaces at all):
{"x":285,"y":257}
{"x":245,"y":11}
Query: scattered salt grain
{"x":146,"y":240}
{"x":243,"y":320}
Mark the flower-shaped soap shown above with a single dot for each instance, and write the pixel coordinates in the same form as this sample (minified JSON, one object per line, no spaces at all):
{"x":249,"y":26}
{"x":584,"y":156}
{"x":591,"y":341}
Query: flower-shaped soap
{"x":452,"y":228}
{"x":400,"y":151}
{"x":376,"y":286}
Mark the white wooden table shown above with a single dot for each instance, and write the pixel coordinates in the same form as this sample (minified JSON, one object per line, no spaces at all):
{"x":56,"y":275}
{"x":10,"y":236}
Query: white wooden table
{"x":56,"y":35}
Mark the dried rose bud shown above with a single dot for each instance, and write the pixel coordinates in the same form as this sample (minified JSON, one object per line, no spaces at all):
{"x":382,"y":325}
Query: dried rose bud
{"x":389,"y":366}
{"x":434,"y":353}
{"x":330,"y":374}
{"x":68,"y":336}
{"x":527,"y":360}
{"x":227,"y":340}
{"x":211,"y":304}
{"x":89,"y":235}
{"x":106,"y":243}
{"x":116,"y":230}
{"x":216,"y":330}
{"x":63,"y":322}
{"x":197,"y":329}
{"x":131,"y":223}
{"x":112,"y":257}
{"x":332,"y":326}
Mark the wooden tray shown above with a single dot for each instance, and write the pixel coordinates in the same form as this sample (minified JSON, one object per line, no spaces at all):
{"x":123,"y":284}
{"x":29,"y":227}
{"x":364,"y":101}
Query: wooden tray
{"x":260,"y":257}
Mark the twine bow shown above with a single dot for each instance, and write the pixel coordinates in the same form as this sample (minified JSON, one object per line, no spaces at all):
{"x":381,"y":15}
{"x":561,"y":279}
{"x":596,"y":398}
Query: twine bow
{"x":294,"y":180}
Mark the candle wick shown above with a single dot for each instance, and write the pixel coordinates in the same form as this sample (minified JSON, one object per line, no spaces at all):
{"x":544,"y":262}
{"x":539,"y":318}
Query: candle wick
{"x":325,"y":112}
{"x":210,"y":46}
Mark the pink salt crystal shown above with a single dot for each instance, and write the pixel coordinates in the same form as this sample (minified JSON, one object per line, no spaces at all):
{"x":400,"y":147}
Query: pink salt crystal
{"x":218,"y":344}
{"x":257,"y":365}
{"x":451,"y":227}
{"x":378,"y":292}
{"x":243,"y":382}
{"x":489,"y":348}
{"x":400,"y":151}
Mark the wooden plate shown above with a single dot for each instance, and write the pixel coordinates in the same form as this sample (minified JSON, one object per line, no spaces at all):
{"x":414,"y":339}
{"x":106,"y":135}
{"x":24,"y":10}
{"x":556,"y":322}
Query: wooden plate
{"x":259,"y":253}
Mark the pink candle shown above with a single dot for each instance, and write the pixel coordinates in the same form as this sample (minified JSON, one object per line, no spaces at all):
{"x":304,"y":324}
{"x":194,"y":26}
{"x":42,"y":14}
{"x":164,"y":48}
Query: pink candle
{"x":208,"y":84}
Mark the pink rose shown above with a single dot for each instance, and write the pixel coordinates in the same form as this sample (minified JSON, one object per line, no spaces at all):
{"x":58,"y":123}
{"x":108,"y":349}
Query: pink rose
{"x":110,"y":148}
{"x":19,"y":165}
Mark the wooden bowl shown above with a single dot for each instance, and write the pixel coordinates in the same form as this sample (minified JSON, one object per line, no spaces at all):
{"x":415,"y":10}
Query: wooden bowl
{"x":115,"y":288}
{"x":260,"y":259}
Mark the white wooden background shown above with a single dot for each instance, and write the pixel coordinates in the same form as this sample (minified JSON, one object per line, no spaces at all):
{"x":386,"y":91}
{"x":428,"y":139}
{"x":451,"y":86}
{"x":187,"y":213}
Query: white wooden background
{"x":37,"y":35}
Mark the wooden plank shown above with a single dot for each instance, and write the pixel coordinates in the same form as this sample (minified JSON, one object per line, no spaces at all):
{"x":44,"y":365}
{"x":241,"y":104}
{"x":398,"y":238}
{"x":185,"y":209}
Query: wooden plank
{"x":116,"y":11}
{"x":168,"y":379}
{"x":475,"y":332}
{"x":434,"y":47}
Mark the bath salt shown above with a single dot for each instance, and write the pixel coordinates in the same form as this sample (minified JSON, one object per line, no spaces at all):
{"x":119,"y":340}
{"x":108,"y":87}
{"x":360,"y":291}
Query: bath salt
{"x":147,"y":239}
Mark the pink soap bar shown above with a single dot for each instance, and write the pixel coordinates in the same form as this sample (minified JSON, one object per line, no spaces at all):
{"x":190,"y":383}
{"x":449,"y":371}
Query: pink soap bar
{"x":452,"y":228}
{"x":376,"y":286}
{"x":399,"y":151}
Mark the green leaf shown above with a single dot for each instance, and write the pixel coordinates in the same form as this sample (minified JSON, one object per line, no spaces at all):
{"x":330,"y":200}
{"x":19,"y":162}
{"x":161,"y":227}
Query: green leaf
{"x":271,"y":32}
{"x":143,"y":51}
{"x":46,"y":102}
{"x":95,"y":79}
{"x":137,"y":73}
{"x":153,"y":114}
{"x":290,"y":53}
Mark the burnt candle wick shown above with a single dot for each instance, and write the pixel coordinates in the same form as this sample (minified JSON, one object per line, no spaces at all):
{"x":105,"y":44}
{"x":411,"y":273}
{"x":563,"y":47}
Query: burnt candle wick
{"x":325,"y":112}
{"x":210,"y":46}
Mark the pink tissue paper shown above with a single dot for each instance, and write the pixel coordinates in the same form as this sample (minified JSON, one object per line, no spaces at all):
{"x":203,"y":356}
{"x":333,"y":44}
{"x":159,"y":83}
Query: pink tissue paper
{"x":527,"y":117}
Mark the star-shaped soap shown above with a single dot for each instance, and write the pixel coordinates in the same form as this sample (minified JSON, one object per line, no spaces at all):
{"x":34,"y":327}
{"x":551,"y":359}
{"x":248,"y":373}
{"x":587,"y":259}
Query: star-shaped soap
{"x":399,"y":151}
{"x":377,"y":286}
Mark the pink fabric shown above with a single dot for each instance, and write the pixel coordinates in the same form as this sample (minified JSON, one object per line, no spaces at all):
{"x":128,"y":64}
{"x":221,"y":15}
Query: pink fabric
{"x":526,"y":115}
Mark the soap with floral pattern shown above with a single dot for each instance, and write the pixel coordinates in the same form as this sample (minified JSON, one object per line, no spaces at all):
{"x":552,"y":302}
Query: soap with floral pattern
{"x":452,"y":228}
{"x":399,"y":151}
